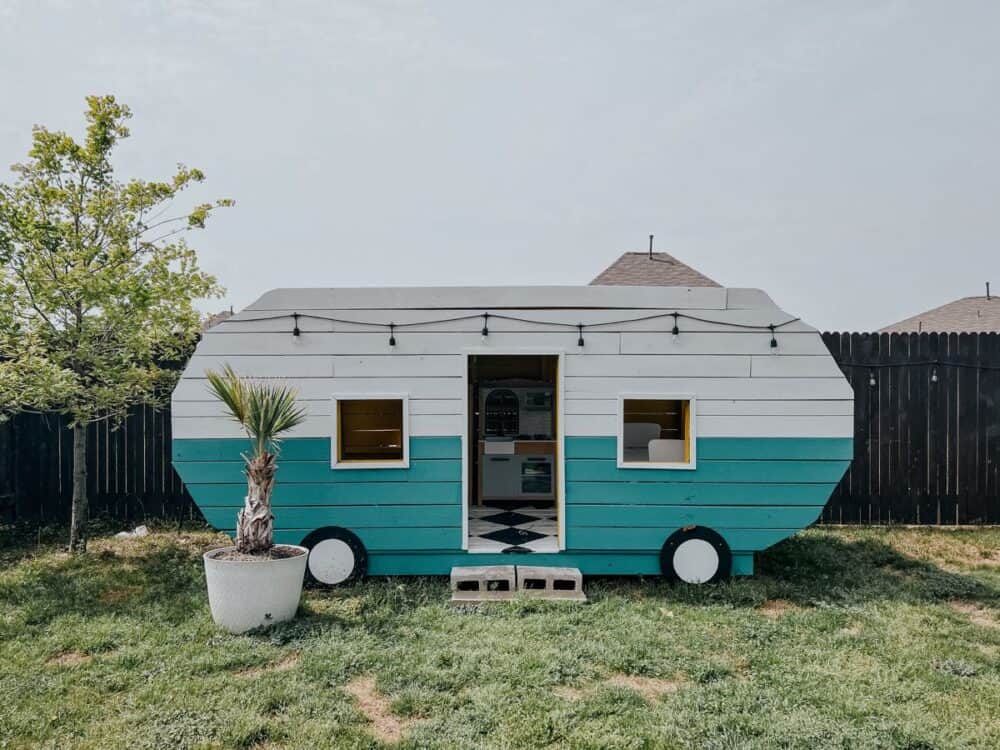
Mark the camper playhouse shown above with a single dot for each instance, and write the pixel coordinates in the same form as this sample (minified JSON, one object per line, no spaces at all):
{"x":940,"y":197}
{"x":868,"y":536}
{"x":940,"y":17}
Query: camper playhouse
{"x":616,"y":430}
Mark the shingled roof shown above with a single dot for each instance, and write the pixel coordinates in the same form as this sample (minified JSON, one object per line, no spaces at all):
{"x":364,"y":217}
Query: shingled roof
{"x":969,"y":314}
{"x":639,"y":269}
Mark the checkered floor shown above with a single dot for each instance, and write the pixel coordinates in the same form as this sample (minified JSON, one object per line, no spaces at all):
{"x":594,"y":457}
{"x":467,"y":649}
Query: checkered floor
{"x":524,"y":529}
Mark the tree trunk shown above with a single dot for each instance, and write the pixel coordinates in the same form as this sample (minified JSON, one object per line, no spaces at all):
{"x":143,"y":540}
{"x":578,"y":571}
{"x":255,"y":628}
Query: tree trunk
{"x":78,"y":521}
{"x":255,"y":524}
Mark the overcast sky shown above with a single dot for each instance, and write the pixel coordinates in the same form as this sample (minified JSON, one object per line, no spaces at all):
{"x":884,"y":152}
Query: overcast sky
{"x":843,"y":156}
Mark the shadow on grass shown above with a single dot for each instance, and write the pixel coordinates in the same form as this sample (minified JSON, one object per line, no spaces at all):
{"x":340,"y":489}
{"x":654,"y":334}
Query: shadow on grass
{"x":818,"y":568}
{"x":162,"y":580}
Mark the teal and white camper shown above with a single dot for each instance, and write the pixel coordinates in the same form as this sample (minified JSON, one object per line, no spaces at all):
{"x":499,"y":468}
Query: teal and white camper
{"x":618,"y":430}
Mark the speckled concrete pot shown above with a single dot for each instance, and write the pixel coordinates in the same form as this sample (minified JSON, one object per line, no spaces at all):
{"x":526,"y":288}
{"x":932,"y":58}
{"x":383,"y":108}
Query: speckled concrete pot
{"x":247,"y":594}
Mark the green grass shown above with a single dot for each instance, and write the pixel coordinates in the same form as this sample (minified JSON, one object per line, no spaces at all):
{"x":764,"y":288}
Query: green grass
{"x":879,"y":638}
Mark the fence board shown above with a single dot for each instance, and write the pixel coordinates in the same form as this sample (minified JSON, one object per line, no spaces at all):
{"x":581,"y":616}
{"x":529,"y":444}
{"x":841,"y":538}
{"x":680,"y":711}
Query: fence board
{"x":927,"y":434}
{"x":129,"y":475}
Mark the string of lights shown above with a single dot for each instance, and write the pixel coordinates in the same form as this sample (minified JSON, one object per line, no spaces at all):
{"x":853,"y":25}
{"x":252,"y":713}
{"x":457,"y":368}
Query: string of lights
{"x":932,"y":363}
{"x":772,"y":328}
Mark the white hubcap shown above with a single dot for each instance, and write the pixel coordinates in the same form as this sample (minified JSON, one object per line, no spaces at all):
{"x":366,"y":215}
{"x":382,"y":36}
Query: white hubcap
{"x":695,"y":561}
{"x":331,"y":561}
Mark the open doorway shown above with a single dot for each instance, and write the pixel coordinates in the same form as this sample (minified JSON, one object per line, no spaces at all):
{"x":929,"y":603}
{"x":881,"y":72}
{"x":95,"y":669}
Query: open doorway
{"x":513,"y":453}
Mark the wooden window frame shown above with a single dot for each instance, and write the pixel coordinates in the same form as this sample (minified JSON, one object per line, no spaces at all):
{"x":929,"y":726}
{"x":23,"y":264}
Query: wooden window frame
{"x":337,"y":463}
{"x":690,"y":422}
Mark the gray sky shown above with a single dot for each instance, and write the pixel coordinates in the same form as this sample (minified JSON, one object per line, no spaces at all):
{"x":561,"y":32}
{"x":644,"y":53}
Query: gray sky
{"x":842,"y":156}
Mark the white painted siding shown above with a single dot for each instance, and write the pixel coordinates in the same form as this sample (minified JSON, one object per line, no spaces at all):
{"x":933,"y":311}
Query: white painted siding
{"x":743,"y":386}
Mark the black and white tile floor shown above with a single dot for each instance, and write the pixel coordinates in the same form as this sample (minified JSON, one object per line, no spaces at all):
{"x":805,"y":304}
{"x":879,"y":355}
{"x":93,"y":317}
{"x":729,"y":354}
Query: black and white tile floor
{"x":522,"y":529}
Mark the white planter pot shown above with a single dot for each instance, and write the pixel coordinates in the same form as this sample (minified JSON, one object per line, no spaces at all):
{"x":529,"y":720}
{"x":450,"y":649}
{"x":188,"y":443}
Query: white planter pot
{"x":247,"y":594}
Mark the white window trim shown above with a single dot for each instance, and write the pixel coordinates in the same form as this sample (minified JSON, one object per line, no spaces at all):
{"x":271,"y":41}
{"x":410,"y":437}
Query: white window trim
{"x":376,"y":464}
{"x":692,"y":438}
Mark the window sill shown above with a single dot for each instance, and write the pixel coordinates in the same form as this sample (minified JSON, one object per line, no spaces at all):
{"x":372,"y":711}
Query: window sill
{"x":651,"y":465}
{"x":374,"y":464}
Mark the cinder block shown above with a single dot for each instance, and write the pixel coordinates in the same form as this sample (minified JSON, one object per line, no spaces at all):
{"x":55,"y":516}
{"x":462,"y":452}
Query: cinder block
{"x":550,"y":582}
{"x":483,"y":583}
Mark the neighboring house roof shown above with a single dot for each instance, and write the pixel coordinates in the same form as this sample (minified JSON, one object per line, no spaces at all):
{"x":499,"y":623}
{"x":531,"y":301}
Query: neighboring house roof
{"x":969,"y":314}
{"x":215,"y":318}
{"x":662,"y":269}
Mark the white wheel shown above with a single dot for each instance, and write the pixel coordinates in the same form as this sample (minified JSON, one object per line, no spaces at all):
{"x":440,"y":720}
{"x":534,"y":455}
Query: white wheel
{"x":331,"y":561}
{"x":336,"y":556}
{"x":695,"y":561}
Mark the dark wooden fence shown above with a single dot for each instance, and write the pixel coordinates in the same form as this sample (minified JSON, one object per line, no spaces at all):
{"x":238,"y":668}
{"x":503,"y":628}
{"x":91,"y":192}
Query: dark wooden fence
{"x":926,"y":443}
{"x":926,"y":428}
{"x":129,"y":476}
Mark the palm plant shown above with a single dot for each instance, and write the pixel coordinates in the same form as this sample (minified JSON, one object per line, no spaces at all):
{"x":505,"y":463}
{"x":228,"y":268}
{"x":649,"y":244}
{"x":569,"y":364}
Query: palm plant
{"x":264,"y":411}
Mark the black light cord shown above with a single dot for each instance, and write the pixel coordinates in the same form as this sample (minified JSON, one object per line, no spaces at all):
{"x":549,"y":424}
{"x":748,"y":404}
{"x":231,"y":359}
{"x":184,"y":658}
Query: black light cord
{"x":772,"y":327}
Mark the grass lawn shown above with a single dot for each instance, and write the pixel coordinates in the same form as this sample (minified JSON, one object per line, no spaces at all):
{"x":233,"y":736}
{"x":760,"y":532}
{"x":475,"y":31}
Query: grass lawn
{"x":845,"y":638}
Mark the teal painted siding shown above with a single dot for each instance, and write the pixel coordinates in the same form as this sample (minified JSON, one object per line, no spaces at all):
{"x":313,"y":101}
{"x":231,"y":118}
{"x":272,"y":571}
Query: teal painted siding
{"x":301,"y":449}
{"x":356,"y":493}
{"x":754,"y":492}
{"x":352,"y":517}
{"x":652,"y":538}
{"x":748,"y":448}
{"x":299,"y":472}
{"x":416,"y":509}
{"x":709,"y":471}
{"x":231,"y":495}
{"x":664,"y":493}
{"x":718,"y":516}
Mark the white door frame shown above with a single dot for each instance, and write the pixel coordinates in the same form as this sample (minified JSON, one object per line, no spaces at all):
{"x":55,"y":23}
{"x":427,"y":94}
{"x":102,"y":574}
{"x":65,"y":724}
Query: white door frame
{"x":513,"y":351}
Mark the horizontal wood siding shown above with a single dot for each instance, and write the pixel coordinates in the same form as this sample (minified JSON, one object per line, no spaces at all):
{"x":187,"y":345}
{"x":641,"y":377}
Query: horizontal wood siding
{"x":774,"y":424}
{"x":763,"y":489}
{"x":753,"y":491}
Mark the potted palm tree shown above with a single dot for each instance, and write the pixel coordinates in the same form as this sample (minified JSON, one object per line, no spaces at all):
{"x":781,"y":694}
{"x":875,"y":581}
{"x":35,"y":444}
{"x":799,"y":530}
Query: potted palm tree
{"x":255,"y":582}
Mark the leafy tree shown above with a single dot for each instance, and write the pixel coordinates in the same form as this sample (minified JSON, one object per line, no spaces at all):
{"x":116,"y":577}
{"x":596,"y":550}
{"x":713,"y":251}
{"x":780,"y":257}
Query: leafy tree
{"x":96,"y":284}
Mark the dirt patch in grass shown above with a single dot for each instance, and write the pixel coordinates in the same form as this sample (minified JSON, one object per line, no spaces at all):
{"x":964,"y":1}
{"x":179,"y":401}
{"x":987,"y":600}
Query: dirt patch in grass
{"x":775,"y":608}
{"x":68,"y":659}
{"x":283,"y":664}
{"x":650,"y":688}
{"x":115,"y":596}
{"x":385,"y":726}
{"x":568,"y":693}
{"x":976,"y":614}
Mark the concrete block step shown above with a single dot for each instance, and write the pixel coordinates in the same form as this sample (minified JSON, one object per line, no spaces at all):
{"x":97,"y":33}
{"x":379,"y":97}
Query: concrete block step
{"x":483,"y":583}
{"x":550,"y":582}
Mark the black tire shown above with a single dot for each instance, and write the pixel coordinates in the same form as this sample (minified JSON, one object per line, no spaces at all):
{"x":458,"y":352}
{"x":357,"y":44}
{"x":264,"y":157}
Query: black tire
{"x":691,"y":533}
{"x":334,"y":569}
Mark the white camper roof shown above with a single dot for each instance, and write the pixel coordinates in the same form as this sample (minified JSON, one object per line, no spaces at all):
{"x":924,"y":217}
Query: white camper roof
{"x":520,"y":297}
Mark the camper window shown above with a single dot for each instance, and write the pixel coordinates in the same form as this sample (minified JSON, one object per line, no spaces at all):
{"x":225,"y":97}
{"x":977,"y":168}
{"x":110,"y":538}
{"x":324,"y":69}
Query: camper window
{"x":656,"y":432}
{"x":370,"y":431}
